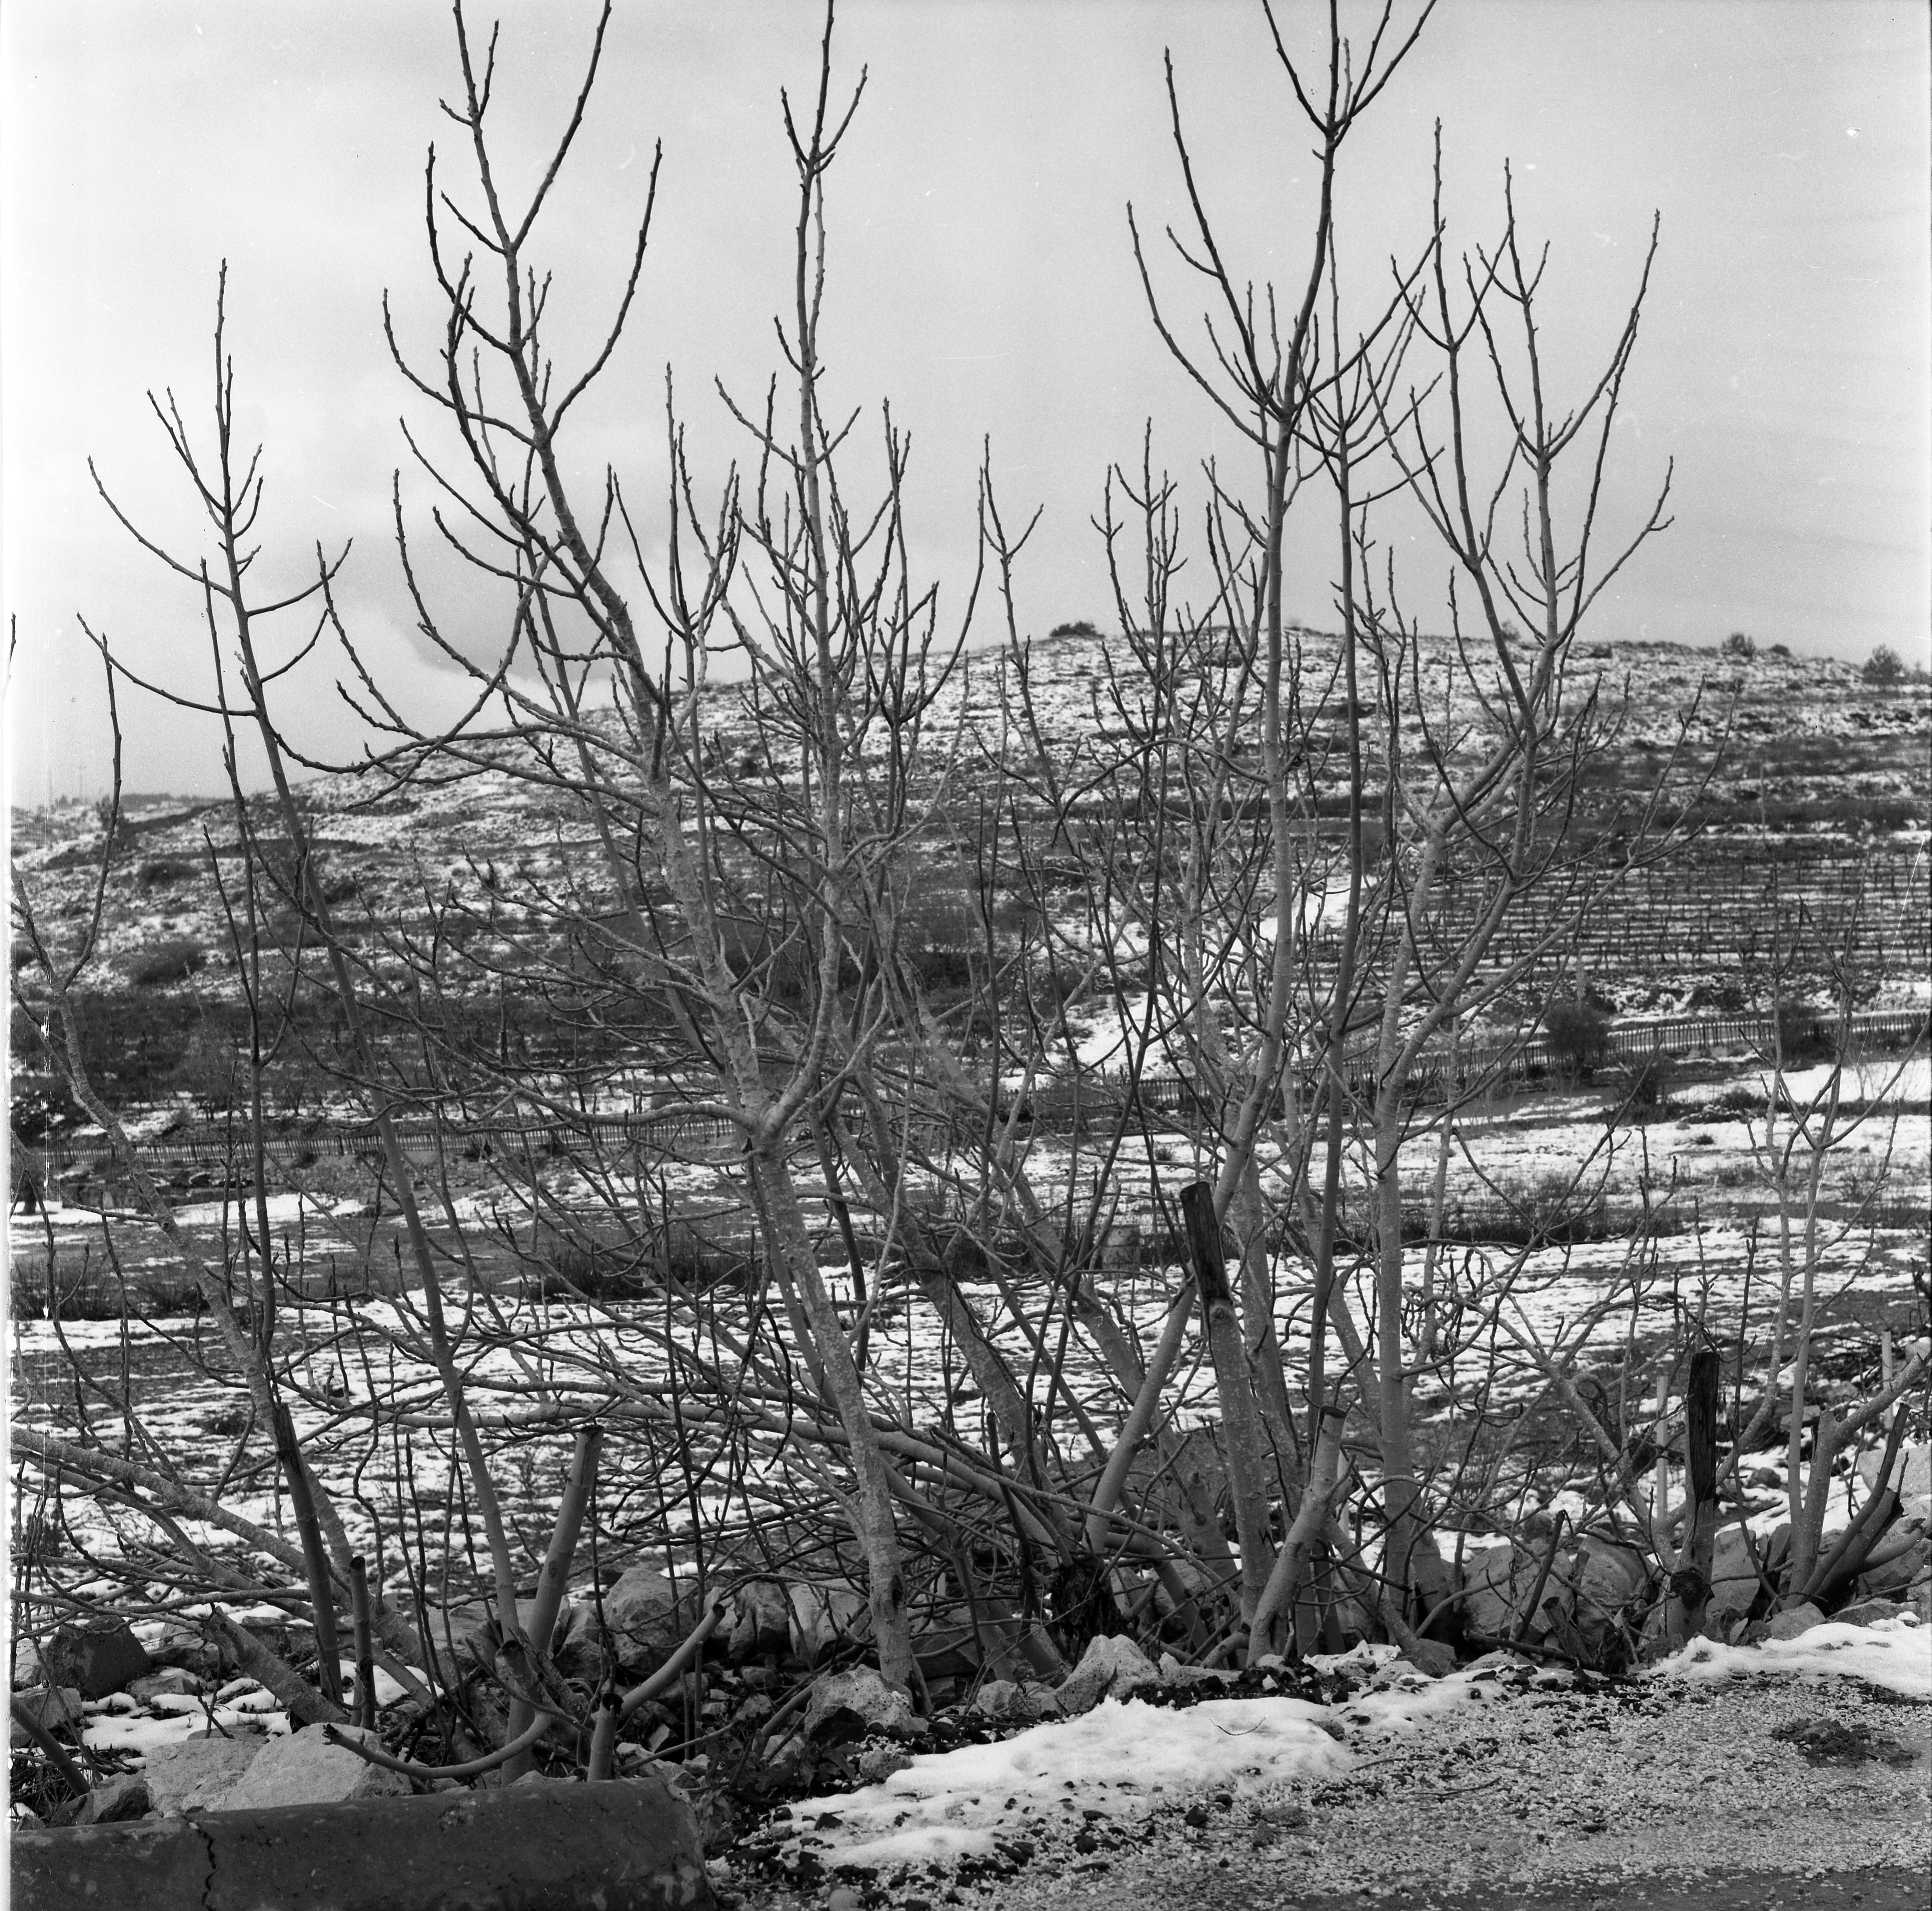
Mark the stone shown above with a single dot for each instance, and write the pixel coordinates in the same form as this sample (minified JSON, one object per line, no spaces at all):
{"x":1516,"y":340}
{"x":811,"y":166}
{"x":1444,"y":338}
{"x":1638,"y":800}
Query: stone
{"x":647,"y":1617}
{"x":1911,"y":1474}
{"x":171,"y":1681}
{"x":197,"y":1774}
{"x":306,"y":1768}
{"x":845,"y":1706}
{"x":1735,"y":1585}
{"x":101,"y":1656}
{"x":1496,"y":1580}
{"x":1430,"y":1657}
{"x":761,"y":1621}
{"x":56,"y":1707}
{"x":878,"y":1763}
{"x":116,"y":1802}
{"x":184,"y":1648}
{"x":1174,"y":1673}
{"x":621,"y":1845}
{"x":1001,"y":1698}
{"x":1792,"y":1621}
{"x":28,"y":1669}
{"x":823,"y":1617}
{"x":1610,"y":1580}
{"x":1867,"y":1612}
{"x":1904,"y":1554}
{"x":1112,"y":1667}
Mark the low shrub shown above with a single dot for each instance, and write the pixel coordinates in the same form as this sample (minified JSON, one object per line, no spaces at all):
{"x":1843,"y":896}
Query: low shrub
{"x":174,"y":960}
{"x":1884,"y":666}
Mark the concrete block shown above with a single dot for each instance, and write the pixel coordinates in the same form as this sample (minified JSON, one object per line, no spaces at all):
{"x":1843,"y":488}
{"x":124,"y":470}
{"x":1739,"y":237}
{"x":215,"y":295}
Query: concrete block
{"x":621,"y":1845}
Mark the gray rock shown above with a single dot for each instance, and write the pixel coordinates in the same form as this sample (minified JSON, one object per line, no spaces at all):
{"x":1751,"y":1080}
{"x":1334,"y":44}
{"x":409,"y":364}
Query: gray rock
{"x":1173,"y":1673}
{"x":647,"y":1617}
{"x":1867,"y":1611}
{"x":27,"y":1668}
{"x":876,"y":1762}
{"x":1430,"y":1657}
{"x":170,"y":1681}
{"x":197,"y":1774}
{"x":822,"y":1616}
{"x":116,"y":1802}
{"x":1001,"y":1698}
{"x":1497,"y":1582}
{"x":100,"y":1657}
{"x":305,"y":1769}
{"x":762,"y":1620}
{"x":1909,"y":1559}
{"x":1792,"y":1621}
{"x":56,"y":1707}
{"x":1911,"y":1473}
{"x":1111,"y":1667}
{"x":1735,"y":1585}
{"x":850,"y":1704}
{"x":183,"y":1647}
{"x":1610,"y":1580}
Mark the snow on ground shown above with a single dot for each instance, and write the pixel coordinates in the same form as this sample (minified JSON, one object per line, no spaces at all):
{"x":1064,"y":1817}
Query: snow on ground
{"x":1115,"y":1764}
{"x":1895,"y":1654}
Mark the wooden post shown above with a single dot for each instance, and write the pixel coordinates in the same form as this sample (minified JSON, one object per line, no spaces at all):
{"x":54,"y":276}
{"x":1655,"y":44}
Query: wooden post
{"x":1691,"y":1584}
{"x":364,"y":1714}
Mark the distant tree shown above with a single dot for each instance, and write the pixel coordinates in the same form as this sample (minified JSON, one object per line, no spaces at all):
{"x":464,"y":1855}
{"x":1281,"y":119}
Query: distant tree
{"x":1740,"y":644}
{"x":1781,"y":650}
{"x":1082,"y":627}
{"x":1578,"y":1033}
{"x":1884,"y":666}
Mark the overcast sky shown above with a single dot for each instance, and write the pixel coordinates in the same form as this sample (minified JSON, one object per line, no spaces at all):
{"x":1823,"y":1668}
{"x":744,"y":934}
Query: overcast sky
{"x":982,"y":282}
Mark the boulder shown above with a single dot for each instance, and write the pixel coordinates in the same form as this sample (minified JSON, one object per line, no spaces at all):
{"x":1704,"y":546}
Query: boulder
{"x":184,"y":1648}
{"x":28,"y":1669}
{"x":1173,"y":1673}
{"x":305,"y":1769}
{"x":1911,"y":1475}
{"x":1001,"y":1698}
{"x":101,"y":1656}
{"x":647,"y":1617}
{"x":1867,"y":1612}
{"x":1610,"y":1580}
{"x":56,"y":1707}
{"x":824,"y":1616}
{"x":1904,"y":1554}
{"x":171,"y":1681}
{"x":1792,"y":1621}
{"x":761,"y":1621}
{"x":195,"y":1774}
{"x":1432,"y":1657}
{"x":1735,"y":1585}
{"x":116,"y":1802}
{"x":845,"y":1706}
{"x":1112,"y":1665}
{"x":1497,"y":1582}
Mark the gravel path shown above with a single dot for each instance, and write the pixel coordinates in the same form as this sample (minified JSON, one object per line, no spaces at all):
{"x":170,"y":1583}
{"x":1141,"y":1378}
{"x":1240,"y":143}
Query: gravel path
{"x":1647,"y":1793}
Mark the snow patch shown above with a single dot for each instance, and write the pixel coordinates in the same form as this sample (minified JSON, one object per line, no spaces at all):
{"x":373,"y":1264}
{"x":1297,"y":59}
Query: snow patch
{"x":1894,"y":1653}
